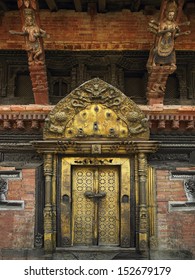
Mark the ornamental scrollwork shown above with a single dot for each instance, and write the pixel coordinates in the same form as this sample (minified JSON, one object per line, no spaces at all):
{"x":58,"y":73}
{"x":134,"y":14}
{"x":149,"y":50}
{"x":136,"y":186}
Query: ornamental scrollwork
{"x":99,"y":110}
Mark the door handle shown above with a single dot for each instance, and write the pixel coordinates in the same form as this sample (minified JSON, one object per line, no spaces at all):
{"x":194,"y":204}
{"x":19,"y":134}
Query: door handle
{"x":100,"y":195}
{"x":95,"y":195}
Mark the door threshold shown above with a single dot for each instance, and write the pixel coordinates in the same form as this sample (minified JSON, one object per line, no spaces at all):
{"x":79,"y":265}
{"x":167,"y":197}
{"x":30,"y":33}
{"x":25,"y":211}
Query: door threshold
{"x":95,"y":249}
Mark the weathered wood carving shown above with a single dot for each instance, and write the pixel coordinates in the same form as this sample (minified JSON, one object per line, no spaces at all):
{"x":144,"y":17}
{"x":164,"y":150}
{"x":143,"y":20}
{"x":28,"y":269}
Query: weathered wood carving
{"x":162,"y":60}
{"x":32,"y":32}
{"x":33,"y":35}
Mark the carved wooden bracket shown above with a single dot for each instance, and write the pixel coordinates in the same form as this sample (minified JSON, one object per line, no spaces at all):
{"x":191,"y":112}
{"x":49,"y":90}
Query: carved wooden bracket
{"x":162,"y":60}
{"x":34,"y":35}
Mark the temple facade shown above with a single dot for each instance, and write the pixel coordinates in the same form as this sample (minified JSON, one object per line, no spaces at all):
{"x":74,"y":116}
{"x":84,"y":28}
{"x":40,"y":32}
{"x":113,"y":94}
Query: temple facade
{"x":97,"y":129}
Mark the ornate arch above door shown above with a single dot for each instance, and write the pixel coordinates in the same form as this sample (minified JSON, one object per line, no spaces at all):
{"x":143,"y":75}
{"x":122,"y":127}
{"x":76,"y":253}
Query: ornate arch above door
{"x":94,"y":130}
{"x":96,"y":110}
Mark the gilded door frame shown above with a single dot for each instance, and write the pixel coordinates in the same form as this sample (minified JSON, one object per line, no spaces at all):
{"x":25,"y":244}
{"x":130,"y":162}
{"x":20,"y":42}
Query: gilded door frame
{"x":124,"y":165}
{"x":146,"y":234}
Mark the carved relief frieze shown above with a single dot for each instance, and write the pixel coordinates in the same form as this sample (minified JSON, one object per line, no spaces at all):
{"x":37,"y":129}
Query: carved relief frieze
{"x":93,"y":161}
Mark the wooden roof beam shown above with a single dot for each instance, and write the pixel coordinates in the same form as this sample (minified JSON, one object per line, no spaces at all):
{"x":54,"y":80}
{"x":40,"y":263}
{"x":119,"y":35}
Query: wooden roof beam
{"x":135,"y":4}
{"x":3,"y":9}
{"x":102,"y":6}
{"x":52,"y":5}
{"x":78,"y":5}
{"x":3,"y":6}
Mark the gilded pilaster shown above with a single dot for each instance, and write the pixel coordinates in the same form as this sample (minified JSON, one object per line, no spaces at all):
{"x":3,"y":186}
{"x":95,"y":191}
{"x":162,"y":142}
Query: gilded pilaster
{"x":54,"y":200}
{"x":143,"y":210}
{"x":151,"y":198}
{"x":48,"y":215}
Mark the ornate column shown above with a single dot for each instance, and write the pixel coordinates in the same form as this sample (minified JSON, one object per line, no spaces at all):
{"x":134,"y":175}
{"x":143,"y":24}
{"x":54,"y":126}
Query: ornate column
{"x":55,"y":157}
{"x":143,"y":209}
{"x":48,"y":211}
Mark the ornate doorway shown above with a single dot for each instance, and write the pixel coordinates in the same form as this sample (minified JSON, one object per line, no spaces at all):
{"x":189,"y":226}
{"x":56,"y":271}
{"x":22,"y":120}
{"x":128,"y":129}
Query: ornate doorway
{"x":95,"y":147}
{"x":95,"y":204}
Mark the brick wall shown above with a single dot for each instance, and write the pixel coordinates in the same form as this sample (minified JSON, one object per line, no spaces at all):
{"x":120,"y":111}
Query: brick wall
{"x":175,"y":229}
{"x":17,"y":227}
{"x":69,"y":30}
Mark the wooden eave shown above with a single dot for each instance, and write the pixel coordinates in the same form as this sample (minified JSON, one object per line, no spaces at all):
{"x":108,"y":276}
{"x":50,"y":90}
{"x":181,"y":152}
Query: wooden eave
{"x":166,"y":118}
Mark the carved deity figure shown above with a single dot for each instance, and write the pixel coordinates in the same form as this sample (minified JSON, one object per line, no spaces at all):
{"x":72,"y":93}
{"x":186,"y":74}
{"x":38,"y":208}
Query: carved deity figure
{"x":166,"y":32}
{"x":27,"y":4}
{"x":33,"y":33}
{"x":3,"y":189}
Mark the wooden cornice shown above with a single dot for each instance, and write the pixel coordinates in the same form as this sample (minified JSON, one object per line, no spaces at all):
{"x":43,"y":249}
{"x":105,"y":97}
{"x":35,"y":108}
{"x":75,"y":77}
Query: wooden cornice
{"x":167,"y":118}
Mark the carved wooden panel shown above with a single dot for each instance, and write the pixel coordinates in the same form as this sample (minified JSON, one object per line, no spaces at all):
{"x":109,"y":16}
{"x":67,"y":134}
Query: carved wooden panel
{"x":126,"y":71}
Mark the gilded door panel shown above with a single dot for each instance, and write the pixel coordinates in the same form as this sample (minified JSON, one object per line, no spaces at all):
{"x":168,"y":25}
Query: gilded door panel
{"x":83,"y":207}
{"x":108,"y":209}
{"x":65,"y":206}
{"x":96,"y":219}
{"x":125,"y":206}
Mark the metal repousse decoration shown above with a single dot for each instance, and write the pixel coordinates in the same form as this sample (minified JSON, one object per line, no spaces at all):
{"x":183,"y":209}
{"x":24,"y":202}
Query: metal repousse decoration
{"x":97,"y":110}
{"x":96,"y":184}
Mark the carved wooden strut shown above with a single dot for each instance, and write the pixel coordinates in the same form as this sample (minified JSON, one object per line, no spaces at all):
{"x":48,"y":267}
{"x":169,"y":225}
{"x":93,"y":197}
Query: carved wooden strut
{"x":33,"y":35}
{"x":162,"y":60}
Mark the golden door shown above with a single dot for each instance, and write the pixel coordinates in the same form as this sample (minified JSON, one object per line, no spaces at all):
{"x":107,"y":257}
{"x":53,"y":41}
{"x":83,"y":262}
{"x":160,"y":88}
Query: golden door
{"x":95,"y":206}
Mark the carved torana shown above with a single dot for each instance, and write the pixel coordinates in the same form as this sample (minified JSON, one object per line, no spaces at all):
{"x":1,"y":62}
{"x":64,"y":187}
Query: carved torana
{"x":96,"y":109}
